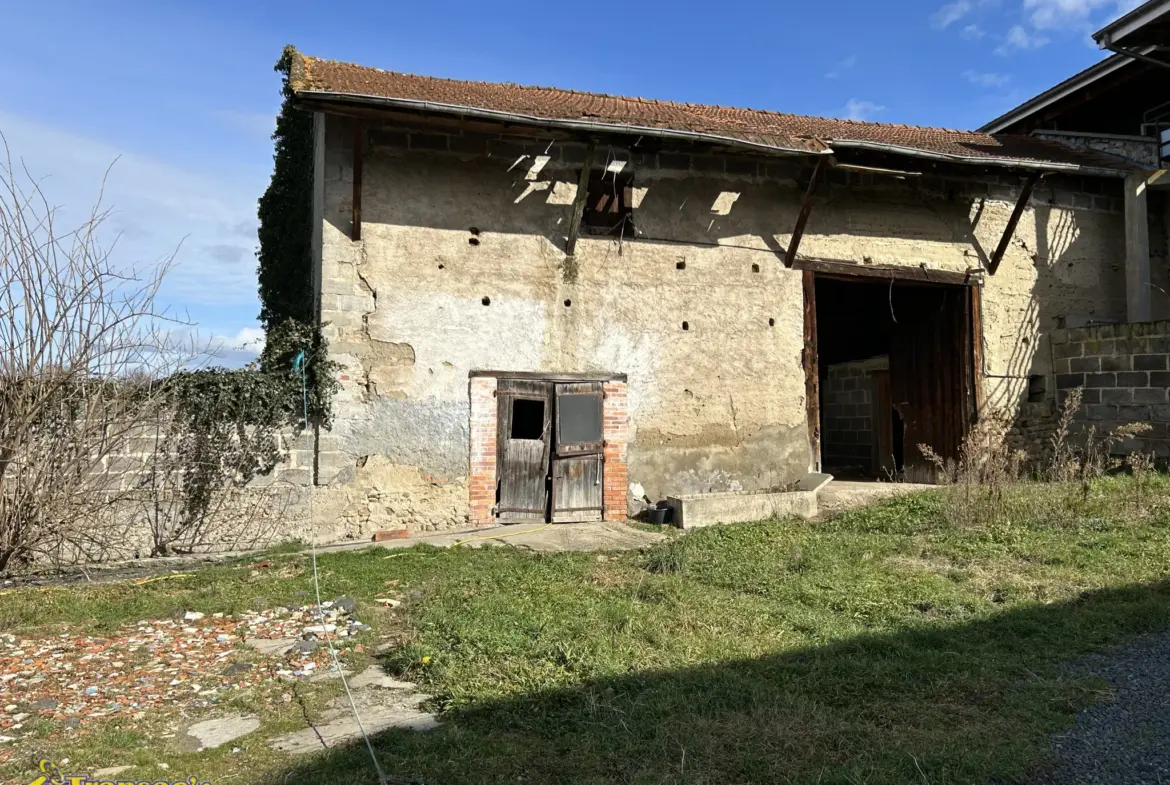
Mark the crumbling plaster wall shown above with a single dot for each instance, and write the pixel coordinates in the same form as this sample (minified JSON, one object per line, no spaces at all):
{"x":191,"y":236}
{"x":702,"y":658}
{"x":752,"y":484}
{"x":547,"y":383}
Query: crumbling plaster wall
{"x":449,"y":220}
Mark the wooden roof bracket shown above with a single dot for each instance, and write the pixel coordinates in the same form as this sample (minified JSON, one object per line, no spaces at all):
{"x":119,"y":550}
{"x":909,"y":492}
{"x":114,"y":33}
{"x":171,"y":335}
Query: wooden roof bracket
{"x":1010,"y":229}
{"x":579,"y":199}
{"x":806,"y":208}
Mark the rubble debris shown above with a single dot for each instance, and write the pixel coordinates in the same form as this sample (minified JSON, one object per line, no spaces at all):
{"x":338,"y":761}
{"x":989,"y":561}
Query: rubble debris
{"x":186,"y":663}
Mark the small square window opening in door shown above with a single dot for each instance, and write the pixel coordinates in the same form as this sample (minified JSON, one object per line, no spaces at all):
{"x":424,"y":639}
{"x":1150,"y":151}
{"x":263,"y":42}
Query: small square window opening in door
{"x":527,"y":419}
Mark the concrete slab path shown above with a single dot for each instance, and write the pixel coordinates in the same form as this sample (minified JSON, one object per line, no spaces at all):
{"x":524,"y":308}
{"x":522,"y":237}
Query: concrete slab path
{"x":840,"y":495}
{"x":538,"y":537}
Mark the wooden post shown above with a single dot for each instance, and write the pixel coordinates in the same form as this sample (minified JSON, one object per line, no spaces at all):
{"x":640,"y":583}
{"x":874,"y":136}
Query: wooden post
{"x":812,"y":372}
{"x":805,"y":209}
{"x":358,"y":136}
{"x":1138,"y":290}
{"x":976,"y":306}
{"x":1010,"y":229}
{"x":579,"y":200}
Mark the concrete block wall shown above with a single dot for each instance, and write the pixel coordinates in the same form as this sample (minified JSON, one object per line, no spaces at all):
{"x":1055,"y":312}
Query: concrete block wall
{"x":848,"y":438}
{"x":1124,"y":370}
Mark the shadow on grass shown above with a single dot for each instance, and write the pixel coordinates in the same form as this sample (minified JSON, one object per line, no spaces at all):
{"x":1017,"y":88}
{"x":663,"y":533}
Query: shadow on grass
{"x":963,"y":703}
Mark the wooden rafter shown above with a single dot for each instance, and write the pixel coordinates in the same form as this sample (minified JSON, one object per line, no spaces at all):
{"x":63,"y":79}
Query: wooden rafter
{"x":805,"y":209}
{"x":1010,"y":229}
{"x":579,"y":200}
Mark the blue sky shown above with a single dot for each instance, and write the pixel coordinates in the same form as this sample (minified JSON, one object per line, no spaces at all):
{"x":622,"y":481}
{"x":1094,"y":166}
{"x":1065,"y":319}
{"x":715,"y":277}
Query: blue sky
{"x":183,"y":94}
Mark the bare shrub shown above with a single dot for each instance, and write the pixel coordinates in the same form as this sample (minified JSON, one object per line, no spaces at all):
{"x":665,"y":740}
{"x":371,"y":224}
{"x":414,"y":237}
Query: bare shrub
{"x":82,"y":346}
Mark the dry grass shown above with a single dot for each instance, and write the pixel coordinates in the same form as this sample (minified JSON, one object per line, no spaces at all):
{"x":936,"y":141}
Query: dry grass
{"x":992,"y":484}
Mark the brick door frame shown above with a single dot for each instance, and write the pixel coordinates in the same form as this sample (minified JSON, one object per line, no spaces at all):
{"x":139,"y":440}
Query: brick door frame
{"x":482,"y":446}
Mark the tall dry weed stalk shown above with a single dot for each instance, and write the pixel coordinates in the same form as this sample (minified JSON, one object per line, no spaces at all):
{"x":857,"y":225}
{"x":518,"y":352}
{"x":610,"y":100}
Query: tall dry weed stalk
{"x":993,"y":483}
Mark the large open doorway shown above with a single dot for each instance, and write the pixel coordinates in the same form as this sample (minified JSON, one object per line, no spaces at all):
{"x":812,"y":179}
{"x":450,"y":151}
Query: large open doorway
{"x":550,"y":451}
{"x":894,"y":364}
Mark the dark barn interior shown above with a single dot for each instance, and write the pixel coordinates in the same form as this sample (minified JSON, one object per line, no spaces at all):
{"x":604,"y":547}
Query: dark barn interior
{"x":894,"y":361}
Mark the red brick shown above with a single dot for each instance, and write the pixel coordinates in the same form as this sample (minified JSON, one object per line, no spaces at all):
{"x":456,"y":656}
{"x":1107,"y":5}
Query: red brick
{"x":390,"y":534}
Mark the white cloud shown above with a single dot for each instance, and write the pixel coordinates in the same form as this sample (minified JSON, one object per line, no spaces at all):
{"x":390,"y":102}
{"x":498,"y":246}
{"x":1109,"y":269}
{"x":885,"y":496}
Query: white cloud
{"x":195,"y":348}
{"x":972,"y":32}
{"x":950,"y":13}
{"x":1070,"y":14}
{"x":238,"y":349}
{"x":1018,"y":40}
{"x":983,"y":79}
{"x":158,"y":210}
{"x":841,"y":67}
{"x":861,"y":110}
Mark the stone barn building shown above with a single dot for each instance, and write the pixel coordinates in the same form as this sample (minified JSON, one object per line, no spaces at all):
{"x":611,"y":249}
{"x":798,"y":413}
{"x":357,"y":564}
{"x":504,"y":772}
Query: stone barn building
{"x":554,"y":305}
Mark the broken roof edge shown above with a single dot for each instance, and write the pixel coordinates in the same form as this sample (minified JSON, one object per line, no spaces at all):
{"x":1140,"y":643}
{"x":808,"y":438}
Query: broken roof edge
{"x":462,"y":110}
{"x":1012,"y":163}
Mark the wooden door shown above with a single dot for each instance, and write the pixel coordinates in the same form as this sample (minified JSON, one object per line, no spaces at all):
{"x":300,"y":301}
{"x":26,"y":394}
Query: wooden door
{"x":930,"y":374}
{"x":885,"y":462}
{"x":523,"y":443}
{"x":578,"y":459}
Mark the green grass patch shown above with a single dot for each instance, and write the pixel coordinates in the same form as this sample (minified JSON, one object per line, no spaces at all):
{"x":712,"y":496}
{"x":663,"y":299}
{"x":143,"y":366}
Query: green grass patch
{"x":882,"y":646}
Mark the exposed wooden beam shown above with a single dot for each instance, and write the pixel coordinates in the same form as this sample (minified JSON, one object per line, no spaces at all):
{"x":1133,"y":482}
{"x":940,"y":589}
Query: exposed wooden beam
{"x":1010,"y":229}
{"x":805,"y":209}
{"x":579,"y":199}
{"x":907,"y":273}
{"x":359,"y":132}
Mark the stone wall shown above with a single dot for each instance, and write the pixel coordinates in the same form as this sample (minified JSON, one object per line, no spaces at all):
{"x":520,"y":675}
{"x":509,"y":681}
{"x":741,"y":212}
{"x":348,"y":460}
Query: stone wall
{"x":460,"y":267}
{"x":1033,"y":428}
{"x":1141,"y":150}
{"x":1124,"y":370}
{"x":848,"y":438}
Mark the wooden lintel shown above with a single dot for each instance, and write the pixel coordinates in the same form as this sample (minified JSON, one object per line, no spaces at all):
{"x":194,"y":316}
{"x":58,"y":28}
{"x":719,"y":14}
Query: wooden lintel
{"x":579,"y":199}
{"x":902,"y":273}
{"x":805,"y":209}
{"x":359,"y":132}
{"x":1010,"y":229}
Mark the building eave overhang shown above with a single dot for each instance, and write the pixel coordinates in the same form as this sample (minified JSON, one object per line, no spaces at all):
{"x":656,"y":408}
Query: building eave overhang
{"x":325,"y":99}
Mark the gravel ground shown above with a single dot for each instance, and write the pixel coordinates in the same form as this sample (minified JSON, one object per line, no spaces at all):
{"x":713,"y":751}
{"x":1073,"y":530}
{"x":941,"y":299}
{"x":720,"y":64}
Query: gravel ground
{"x":1124,"y":740}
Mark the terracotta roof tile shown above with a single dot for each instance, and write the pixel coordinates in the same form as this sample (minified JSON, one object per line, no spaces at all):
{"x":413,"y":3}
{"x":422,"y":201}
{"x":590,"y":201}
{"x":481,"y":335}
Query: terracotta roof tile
{"x":758,"y":127}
